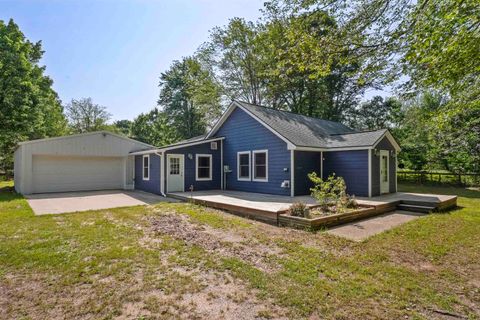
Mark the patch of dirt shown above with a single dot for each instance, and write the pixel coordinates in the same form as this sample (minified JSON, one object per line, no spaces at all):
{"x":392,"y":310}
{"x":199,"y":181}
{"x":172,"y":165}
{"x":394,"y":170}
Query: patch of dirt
{"x":214,"y":296}
{"x":225,"y":243}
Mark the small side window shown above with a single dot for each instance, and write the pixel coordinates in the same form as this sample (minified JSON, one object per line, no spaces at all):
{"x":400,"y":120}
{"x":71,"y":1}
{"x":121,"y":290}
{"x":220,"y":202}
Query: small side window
{"x":243,"y":166}
{"x":204,"y":167}
{"x":146,"y":167}
{"x":260,"y":165}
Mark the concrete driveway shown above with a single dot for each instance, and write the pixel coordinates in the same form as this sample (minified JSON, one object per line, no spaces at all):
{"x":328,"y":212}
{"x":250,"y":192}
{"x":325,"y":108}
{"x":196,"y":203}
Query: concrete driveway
{"x":361,"y":230}
{"x":54,"y":203}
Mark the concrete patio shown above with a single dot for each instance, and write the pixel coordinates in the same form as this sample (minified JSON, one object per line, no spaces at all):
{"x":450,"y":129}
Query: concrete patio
{"x":55,"y":203}
{"x":363,"y":229}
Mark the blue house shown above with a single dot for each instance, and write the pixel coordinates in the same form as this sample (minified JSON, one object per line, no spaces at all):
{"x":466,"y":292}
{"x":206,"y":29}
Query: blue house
{"x":258,"y":149}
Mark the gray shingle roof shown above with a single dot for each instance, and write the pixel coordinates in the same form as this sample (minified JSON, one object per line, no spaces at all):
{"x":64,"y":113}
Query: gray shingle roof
{"x":305,"y":131}
{"x":356,"y":139}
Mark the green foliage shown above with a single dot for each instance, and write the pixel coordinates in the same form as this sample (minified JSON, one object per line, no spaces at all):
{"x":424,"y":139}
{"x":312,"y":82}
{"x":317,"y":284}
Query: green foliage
{"x":443,"y":45}
{"x":414,"y":132}
{"x":299,"y":209}
{"x":235,"y":52}
{"x":330,"y":192}
{"x":153,"y":128}
{"x":378,"y":113}
{"x":351,"y":203}
{"x":456,"y":137}
{"x":282,"y":62}
{"x":85,"y":116}
{"x":123,"y":126}
{"x":427,"y":46}
{"x":190,"y":97}
{"x":29,"y":108}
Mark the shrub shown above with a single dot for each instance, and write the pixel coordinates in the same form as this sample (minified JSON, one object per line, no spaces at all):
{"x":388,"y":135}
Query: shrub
{"x":299,"y":209}
{"x":329,"y":192}
{"x":351,"y":202}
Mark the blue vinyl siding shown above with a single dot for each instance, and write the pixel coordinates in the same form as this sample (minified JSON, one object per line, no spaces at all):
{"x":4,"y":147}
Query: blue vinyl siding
{"x":189,"y":177}
{"x":384,"y":144}
{"x":243,"y":133}
{"x":153,"y":184}
{"x":305,"y":163}
{"x":352,"y":166}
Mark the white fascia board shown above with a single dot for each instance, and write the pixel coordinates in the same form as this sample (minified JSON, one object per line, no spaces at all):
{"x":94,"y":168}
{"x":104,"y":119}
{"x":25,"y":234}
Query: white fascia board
{"x":222,"y":119}
{"x":290,"y":145}
{"x":85,"y":135}
{"x":332,"y":149}
{"x":390,"y":138}
{"x":233,"y":105}
{"x":190,"y":144}
{"x":138,"y":153}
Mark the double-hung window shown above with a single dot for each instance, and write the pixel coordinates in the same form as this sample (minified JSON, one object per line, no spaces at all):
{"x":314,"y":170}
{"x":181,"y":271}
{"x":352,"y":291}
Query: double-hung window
{"x":243,"y":166}
{"x":146,"y":167}
{"x":260,"y":165}
{"x":203,"y":167}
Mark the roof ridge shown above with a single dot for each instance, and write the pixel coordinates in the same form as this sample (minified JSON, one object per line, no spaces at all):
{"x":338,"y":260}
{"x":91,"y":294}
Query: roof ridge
{"x":290,"y":112}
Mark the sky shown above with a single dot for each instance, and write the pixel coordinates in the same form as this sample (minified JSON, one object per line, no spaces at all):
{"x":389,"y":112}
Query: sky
{"x":114,"y":51}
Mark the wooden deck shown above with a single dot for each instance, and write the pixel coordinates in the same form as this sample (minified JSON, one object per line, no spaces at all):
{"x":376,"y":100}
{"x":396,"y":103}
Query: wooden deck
{"x":267,"y":207}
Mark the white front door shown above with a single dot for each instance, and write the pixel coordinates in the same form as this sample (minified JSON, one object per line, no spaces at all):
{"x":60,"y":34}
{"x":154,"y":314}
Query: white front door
{"x":384,"y":171}
{"x":175,"y":172}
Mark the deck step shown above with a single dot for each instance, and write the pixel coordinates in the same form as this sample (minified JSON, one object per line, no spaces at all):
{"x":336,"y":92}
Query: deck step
{"x":415,"y":208}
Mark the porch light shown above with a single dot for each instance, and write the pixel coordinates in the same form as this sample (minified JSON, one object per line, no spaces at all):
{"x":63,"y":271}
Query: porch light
{"x":190,"y":156}
{"x":376,"y":152}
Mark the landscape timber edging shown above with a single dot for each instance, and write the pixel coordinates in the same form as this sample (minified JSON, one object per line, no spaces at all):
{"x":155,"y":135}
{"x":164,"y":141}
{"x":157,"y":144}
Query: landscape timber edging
{"x":326,"y":221}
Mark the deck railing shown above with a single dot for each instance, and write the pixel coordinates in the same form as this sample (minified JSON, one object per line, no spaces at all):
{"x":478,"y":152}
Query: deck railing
{"x":439,"y":177}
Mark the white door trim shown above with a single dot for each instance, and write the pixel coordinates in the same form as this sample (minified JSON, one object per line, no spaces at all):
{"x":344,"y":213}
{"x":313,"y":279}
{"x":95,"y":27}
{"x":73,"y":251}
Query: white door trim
{"x":383,"y":184}
{"x":182,"y":169}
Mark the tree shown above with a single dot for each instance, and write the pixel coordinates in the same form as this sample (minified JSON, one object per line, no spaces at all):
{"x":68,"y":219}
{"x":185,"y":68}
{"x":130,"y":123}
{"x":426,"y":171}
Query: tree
{"x":456,"y":138}
{"x":123,"y":126}
{"x":235,"y":54}
{"x":415,"y":134}
{"x":153,"y":128}
{"x":282,"y":63}
{"x":376,"y":114}
{"x":190,"y":97}
{"x":85,"y":116}
{"x":426,"y":46}
{"x":443,"y":47}
{"x":301,"y":75}
{"x":29,"y":107}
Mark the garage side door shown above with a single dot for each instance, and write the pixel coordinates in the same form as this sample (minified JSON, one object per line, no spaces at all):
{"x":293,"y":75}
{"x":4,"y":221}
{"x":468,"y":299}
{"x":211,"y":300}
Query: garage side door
{"x":58,"y":174}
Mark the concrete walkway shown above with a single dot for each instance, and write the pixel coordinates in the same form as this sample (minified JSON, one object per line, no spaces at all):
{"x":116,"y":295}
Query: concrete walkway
{"x":54,"y":203}
{"x":361,"y":230}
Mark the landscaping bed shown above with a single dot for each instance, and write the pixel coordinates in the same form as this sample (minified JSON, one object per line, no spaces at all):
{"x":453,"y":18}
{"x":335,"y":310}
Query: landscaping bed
{"x":317,"y":222}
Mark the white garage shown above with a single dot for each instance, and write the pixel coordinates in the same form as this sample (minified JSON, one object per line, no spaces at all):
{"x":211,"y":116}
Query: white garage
{"x":91,"y":161}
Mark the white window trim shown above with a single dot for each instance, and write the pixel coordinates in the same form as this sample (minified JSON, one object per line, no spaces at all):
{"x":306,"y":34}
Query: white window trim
{"x":249,"y":166}
{"x":196,"y":167}
{"x":253,"y":166}
{"x":143,"y":167}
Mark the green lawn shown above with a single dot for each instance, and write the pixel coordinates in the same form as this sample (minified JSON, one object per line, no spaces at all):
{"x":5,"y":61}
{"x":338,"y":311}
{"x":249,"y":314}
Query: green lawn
{"x":184,"y":261}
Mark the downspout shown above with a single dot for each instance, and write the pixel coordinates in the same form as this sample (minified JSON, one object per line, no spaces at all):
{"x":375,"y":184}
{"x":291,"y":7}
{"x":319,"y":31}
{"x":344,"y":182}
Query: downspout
{"x":162,"y":173}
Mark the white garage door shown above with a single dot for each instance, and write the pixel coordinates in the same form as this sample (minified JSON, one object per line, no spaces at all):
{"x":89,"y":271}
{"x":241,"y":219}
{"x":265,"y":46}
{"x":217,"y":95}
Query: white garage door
{"x":57,"y":174}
